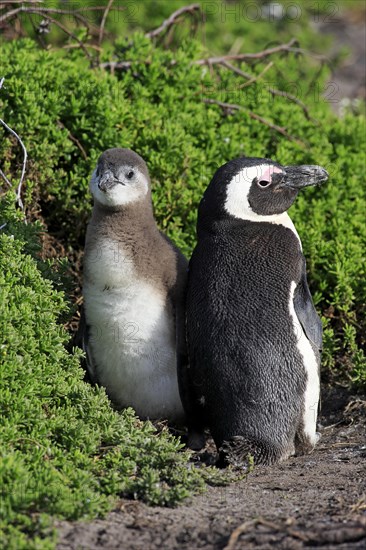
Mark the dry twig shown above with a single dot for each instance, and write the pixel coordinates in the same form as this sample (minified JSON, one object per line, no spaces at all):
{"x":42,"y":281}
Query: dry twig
{"x":272,"y":91}
{"x":261,"y":521}
{"x":104,"y":19}
{"x":192,"y":8}
{"x":235,"y":69}
{"x":229,"y":107}
{"x":5,"y":178}
{"x":19,"y":189}
{"x":246,"y":56}
{"x":5,"y":3}
{"x":239,"y":531}
{"x":44,"y":12}
{"x":73,"y":139}
{"x":294,"y":99}
{"x":255,"y":78}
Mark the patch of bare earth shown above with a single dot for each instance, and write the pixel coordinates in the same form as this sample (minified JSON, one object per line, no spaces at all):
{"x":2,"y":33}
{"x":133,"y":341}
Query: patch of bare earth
{"x":312,"y":501}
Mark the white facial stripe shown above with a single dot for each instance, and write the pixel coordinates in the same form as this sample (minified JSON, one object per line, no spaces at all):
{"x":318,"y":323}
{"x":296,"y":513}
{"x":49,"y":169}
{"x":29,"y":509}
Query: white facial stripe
{"x":237,"y":203}
{"x":120,"y":195}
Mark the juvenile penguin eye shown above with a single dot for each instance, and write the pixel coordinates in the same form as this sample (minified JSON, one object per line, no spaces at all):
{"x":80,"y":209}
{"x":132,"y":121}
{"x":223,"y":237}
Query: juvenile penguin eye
{"x":130,"y":174}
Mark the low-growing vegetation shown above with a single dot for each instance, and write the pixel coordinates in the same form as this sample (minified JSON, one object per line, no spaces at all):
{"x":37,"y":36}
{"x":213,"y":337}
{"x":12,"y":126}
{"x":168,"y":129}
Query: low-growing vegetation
{"x":65,"y":452}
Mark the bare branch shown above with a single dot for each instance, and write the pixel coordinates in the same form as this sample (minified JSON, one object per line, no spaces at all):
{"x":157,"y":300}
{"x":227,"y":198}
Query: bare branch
{"x":101,"y":8}
{"x":294,"y":99}
{"x":71,"y":34}
{"x":255,"y":78}
{"x":104,"y":19}
{"x":5,"y":178}
{"x":91,"y":46}
{"x":7,"y":2}
{"x":19,"y":189}
{"x":73,"y":139}
{"x":235,"y":69}
{"x":225,"y":60}
{"x":173,"y":19}
{"x":117,"y":65}
{"x":230,"y":107}
{"x":245,"y":56}
{"x":317,"y":56}
{"x":272,"y":91}
{"x":1,"y":172}
{"x":45,"y":12}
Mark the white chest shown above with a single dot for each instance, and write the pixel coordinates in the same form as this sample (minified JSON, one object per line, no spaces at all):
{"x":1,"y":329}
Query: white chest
{"x":131,"y":335}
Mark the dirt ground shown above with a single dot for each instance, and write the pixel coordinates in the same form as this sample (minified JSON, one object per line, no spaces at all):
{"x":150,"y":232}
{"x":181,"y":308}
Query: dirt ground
{"x":313,"y":501}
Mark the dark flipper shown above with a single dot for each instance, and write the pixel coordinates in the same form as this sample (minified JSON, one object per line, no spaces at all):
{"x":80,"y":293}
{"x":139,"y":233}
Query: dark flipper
{"x":306,"y":312}
{"x":196,"y":437}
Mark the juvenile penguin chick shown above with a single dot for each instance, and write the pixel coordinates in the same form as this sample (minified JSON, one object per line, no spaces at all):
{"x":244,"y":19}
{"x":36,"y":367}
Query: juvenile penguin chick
{"x":253,"y":335}
{"x":134,"y":281}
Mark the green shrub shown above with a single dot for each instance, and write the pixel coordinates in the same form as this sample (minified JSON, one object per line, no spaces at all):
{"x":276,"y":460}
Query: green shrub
{"x":64,"y":451}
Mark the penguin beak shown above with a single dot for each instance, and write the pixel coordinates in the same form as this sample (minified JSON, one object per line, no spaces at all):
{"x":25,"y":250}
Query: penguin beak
{"x":107,"y":180}
{"x":297,"y":177}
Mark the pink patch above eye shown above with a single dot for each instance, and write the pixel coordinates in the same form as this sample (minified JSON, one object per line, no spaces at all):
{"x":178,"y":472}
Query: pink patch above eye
{"x":267,"y":174}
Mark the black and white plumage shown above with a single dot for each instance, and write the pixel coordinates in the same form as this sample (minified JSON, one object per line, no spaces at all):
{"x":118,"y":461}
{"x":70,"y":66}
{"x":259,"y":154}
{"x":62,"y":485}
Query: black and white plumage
{"x":253,"y":335}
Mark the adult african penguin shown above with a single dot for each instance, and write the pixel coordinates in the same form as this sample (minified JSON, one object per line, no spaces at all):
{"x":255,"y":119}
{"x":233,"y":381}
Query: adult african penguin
{"x":134,"y":281}
{"x":253,"y":335}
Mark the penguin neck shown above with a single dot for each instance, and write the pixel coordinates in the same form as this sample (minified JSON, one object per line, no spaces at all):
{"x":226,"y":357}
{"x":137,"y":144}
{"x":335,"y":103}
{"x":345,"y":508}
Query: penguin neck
{"x":131,"y":219}
{"x":231,"y":223}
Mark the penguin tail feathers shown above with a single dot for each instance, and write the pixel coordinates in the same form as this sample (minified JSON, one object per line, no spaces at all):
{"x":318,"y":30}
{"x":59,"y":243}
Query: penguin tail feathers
{"x":244,"y":453}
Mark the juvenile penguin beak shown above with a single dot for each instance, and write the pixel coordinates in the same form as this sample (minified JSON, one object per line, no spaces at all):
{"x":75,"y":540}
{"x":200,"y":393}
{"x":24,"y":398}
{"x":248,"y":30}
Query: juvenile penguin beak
{"x":106,"y":180}
{"x":297,"y":177}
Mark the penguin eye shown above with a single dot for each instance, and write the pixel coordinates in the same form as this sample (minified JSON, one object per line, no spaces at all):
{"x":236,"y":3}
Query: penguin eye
{"x":130,"y":174}
{"x":263,"y":183}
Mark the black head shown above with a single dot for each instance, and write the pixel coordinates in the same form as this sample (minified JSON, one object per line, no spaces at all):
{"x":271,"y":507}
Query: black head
{"x":256,"y":189}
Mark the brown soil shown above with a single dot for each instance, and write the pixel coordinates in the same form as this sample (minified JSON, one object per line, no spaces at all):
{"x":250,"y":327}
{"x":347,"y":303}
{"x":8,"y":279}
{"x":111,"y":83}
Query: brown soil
{"x":313,"y":501}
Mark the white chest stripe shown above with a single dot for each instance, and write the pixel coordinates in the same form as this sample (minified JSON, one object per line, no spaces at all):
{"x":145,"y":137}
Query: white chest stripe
{"x":282,"y":219}
{"x":311,"y":397}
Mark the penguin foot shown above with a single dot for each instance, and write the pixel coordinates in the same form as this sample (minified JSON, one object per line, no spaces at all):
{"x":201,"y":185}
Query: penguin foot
{"x":235,"y":453}
{"x":241,"y":452}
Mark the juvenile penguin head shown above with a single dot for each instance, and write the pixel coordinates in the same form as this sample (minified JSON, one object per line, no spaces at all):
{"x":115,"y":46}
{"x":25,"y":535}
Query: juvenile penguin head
{"x":121,"y":177}
{"x":253,"y":188}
